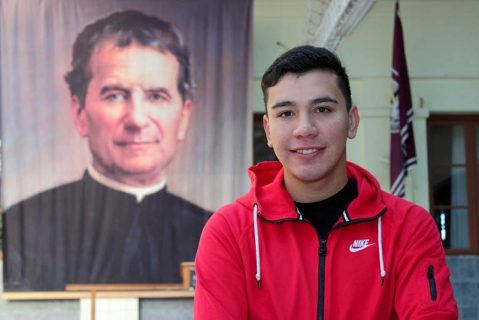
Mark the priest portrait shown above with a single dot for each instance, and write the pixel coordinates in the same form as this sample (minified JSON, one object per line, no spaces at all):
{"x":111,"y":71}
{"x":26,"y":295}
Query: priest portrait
{"x":131,"y":99}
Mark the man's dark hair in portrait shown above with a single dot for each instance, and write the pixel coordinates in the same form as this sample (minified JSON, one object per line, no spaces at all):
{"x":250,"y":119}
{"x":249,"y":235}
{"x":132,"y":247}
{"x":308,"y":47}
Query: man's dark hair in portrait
{"x":131,"y":98}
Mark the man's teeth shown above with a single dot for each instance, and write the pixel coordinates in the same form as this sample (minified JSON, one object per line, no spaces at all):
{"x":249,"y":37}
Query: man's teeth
{"x":307,"y":151}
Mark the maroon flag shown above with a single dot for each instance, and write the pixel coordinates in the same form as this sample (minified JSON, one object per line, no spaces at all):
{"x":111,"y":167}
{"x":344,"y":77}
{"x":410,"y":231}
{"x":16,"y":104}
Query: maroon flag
{"x":403,"y":150}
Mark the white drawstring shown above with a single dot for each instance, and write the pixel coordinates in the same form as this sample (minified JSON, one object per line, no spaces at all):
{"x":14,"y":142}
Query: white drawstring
{"x":256,"y":244}
{"x":381,"y":258}
{"x":300,"y":216}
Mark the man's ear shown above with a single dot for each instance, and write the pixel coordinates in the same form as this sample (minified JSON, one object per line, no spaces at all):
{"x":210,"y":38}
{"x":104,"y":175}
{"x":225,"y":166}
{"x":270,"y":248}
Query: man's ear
{"x":184,"y":120}
{"x":353,"y":116}
{"x":266,"y":130}
{"x":79,"y":116}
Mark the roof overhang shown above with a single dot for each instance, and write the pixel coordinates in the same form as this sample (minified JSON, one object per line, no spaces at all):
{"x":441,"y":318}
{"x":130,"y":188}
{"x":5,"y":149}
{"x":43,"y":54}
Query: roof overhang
{"x":329,"y":21}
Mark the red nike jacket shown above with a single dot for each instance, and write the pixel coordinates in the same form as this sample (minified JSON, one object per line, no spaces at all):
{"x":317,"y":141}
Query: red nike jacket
{"x":259,"y":259}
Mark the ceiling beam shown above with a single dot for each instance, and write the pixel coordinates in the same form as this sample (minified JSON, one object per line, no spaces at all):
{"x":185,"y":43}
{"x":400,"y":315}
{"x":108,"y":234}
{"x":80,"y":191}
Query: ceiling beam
{"x":329,"y":21}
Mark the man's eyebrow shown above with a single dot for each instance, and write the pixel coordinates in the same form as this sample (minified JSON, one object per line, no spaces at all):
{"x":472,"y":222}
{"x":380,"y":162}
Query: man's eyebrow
{"x":106,"y":89}
{"x":159,"y":90}
{"x":324,"y":99}
{"x":280,"y":104}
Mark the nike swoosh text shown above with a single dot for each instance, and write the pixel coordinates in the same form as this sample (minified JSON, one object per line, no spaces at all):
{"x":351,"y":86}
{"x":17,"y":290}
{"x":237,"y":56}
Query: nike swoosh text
{"x":354,"y":249}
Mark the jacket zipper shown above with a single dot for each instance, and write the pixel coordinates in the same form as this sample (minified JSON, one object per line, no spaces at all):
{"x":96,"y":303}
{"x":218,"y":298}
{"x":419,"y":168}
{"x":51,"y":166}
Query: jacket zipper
{"x":321,"y":277}
{"x":322,"y":263}
{"x":432,"y":282}
{"x":323,"y":252}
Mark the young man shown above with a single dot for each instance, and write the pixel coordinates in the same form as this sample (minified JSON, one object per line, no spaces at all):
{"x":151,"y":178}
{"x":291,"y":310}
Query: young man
{"x":316,"y":237}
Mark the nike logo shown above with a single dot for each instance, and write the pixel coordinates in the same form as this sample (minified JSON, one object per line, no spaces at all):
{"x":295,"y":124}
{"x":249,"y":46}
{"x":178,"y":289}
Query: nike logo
{"x":359,"y":245}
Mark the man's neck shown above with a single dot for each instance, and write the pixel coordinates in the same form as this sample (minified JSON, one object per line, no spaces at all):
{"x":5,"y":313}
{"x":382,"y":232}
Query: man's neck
{"x":314,"y":191}
{"x":137,"y":180}
{"x":138,"y":192}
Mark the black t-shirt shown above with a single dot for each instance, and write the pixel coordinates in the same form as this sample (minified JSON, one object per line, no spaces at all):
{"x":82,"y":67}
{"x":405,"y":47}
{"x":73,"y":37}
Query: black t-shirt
{"x":324,"y":214}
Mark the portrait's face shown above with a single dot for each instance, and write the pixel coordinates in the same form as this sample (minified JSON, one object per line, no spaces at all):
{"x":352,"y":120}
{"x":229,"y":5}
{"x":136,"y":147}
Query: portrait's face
{"x":134,"y":115}
{"x":308,"y":125}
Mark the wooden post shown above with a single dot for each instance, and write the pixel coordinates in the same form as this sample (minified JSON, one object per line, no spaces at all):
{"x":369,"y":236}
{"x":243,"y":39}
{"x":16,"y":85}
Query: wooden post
{"x":92,"y":302}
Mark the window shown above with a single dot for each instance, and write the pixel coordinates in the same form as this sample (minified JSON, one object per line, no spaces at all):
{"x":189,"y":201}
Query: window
{"x":453,"y":143}
{"x":261,"y":151}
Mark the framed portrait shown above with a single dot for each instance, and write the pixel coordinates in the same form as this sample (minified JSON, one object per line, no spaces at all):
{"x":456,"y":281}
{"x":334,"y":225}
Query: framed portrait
{"x":124,"y":125}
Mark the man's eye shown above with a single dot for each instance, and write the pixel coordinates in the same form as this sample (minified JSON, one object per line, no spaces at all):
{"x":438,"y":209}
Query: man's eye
{"x":115,"y":97}
{"x":286,"y":114}
{"x":154,"y":97}
{"x":321,"y":109}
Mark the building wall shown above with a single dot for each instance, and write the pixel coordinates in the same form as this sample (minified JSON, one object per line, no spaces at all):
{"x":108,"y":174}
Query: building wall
{"x":278,"y":25}
{"x":465,"y":281}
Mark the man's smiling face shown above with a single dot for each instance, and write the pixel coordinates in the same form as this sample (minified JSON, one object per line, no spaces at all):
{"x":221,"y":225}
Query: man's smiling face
{"x":307,"y":124}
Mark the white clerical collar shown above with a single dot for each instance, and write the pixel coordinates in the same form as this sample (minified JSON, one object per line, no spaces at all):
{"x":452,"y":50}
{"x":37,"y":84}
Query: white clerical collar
{"x":138,"y":192}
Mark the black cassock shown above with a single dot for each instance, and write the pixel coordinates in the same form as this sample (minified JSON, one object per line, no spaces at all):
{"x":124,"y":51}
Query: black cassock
{"x":85,"y":232}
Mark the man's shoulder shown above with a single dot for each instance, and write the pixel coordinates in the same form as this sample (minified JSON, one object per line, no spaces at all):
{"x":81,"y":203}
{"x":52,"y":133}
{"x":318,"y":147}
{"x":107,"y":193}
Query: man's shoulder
{"x":403,"y":211}
{"x":43,"y":198}
{"x":398,"y":203}
{"x":234,"y":218}
{"x":185,"y":207}
{"x":235,"y":210}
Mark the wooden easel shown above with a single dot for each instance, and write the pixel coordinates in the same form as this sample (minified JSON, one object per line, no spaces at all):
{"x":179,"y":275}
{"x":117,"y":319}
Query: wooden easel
{"x":186,"y":271}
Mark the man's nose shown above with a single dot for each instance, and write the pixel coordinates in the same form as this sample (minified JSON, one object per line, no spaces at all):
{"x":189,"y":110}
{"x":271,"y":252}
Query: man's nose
{"x":138,"y":113}
{"x":305,"y":126}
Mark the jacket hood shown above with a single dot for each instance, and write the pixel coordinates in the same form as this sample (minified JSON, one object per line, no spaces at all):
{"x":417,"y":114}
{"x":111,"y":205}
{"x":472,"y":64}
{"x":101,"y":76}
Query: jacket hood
{"x":274,"y":202}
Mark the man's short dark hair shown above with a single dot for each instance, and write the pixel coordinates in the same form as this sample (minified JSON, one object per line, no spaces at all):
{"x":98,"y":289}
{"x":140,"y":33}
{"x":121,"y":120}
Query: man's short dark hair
{"x":126,"y":28}
{"x":302,"y":59}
